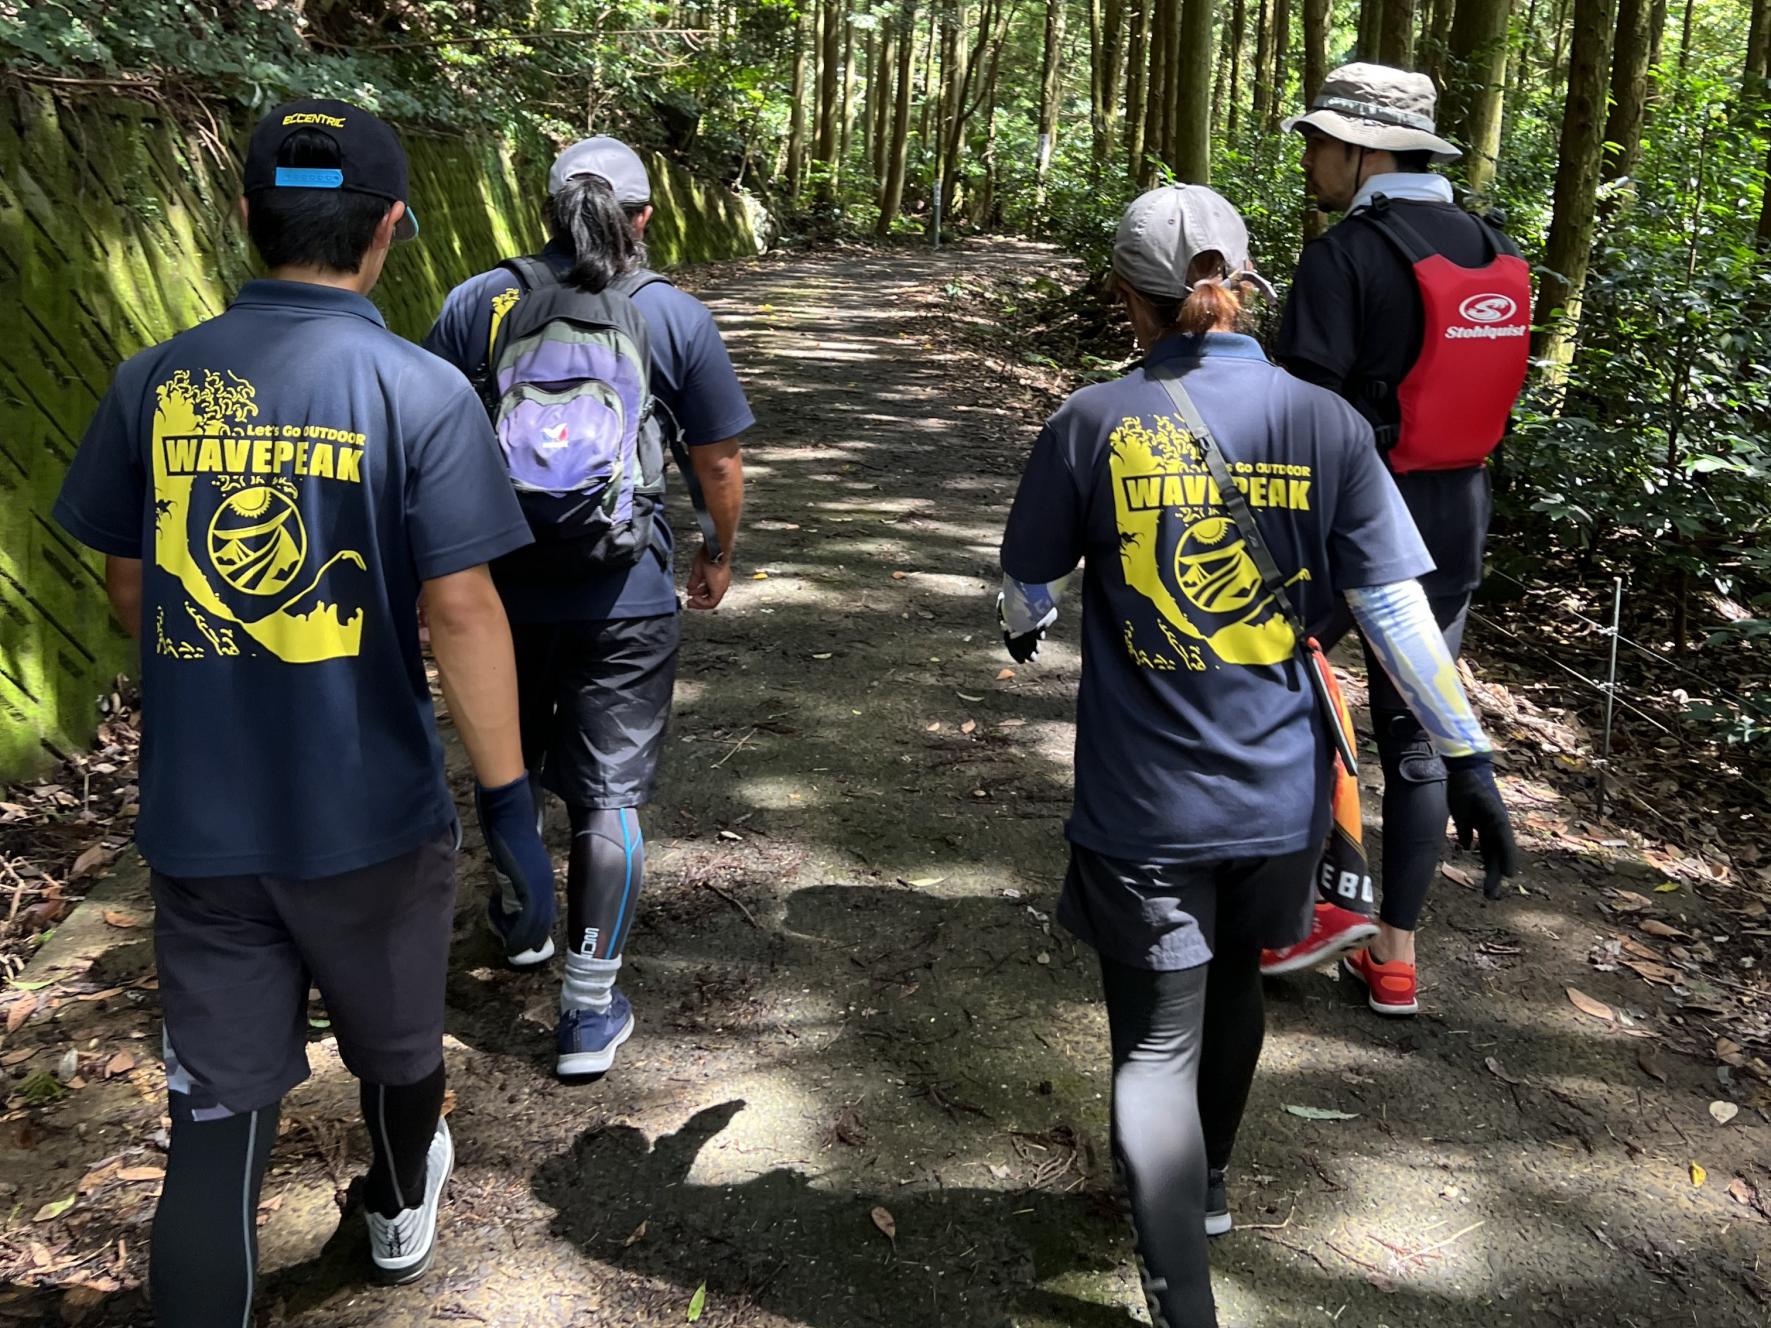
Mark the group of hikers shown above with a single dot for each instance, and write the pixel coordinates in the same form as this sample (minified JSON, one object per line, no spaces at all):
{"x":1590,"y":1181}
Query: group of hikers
{"x":289,"y":498}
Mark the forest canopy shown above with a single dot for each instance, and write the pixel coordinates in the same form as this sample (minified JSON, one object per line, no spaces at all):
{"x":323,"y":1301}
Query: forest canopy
{"x":1622,"y":142}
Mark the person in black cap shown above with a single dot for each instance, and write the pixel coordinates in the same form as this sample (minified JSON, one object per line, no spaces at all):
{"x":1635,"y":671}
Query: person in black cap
{"x":275,"y":492}
{"x":591,"y":367}
{"x":1418,"y":313}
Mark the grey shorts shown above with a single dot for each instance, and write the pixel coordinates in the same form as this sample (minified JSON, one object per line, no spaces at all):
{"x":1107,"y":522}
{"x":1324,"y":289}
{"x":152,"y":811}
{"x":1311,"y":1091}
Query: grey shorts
{"x":237,"y":954}
{"x":1168,"y":916}
{"x":595,"y":702}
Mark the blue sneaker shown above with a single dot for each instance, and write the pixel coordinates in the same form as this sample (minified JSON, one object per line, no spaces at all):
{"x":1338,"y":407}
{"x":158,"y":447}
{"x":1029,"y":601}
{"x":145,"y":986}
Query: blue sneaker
{"x":588,"y":1039}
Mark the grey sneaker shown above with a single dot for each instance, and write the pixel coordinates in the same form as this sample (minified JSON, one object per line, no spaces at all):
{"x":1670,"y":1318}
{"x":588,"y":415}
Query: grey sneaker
{"x":1217,"y":1205}
{"x":404,"y":1245}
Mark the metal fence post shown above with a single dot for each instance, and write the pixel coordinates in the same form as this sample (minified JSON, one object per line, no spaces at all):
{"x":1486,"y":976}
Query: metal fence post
{"x":1610,"y":688}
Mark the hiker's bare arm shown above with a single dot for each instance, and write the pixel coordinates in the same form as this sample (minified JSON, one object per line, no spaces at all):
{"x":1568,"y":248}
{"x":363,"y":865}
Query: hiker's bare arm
{"x":470,"y":638}
{"x":123,"y":586}
{"x":720,"y":469}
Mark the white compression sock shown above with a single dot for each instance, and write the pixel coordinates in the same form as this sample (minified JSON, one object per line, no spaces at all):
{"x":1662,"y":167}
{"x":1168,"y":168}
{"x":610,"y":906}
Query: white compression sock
{"x":588,"y":982}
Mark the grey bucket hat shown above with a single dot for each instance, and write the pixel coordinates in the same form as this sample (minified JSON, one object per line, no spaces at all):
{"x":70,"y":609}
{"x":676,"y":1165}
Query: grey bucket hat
{"x":1375,"y":106}
{"x":608,"y":158}
{"x":1163,"y":231}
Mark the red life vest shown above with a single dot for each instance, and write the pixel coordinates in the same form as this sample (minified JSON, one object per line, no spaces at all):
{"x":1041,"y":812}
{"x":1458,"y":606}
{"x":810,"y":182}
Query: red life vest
{"x":1458,"y":396}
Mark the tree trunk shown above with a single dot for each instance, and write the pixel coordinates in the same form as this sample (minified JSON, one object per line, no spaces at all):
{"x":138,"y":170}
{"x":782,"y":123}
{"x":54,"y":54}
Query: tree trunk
{"x":893,"y":196}
{"x":1396,"y":45}
{"x":1137,"y":74}
{"x":1475,"y":90}
{"x":1559,"y":60}
{"x":1113,"y":58}
{"x":984,"y":210}
{"x":1569,"y":247}
{"x":1238,"y":35}
{"x":1764,"y":235}
{"x":1436,"y":40}
{"x":829,"y":99}
{"x":1370,"y":39}
{"x":1629,"y":90}
{"x":1281,"y":63}
{"x":1656,"y":35}
{"x":847,"y":110}
{"x":1051,"y":79}
{"x":880,"y":100}
{"x":1263,"y":62}
{"x":796,"y":134}
{"x":1156,"y":93}
{"x":1192,"y":93}
{"x":1758,"y":49}
{"x":1097,"y":82}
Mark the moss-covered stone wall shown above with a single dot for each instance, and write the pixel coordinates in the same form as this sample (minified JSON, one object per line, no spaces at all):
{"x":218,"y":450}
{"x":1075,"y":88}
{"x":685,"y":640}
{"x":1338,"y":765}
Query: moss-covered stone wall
{"x":117,"y":229}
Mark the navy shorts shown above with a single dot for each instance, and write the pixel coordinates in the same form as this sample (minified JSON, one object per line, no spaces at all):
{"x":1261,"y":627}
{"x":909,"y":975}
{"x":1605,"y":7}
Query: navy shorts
{"x":237,"y":954}
{"x":595,"y":701}
{"x":1168,"y":916}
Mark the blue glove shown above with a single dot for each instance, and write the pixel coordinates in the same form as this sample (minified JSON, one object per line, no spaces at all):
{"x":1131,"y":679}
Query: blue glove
{"x":525,"y":913}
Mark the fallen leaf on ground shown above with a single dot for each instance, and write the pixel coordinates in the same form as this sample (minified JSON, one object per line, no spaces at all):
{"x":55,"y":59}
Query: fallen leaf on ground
{"x":1698,"y":1175}
{"x":1651,"y":971}
{"x":32,"y":986}
{"x":1005,"y":675}
{"x":1628,"y":901}
{"x":136,"y":1175}
{"x":1457,"y":874}
{"x":116,"y":918}
{"x":885,"y":1222}
{"x":121,"y":1063}
{"x":825,"y":655}
{"x":1321,"y":1113}
{"x":1742,"y":1192}
{"x":1648,"y":1058}
{"x":900,"y":576}
{"x":731,"y":834}
{"x":50,"y":1211}
{"x":933,"y":728}
{"x":963,"y":697}
{"x":19,"y":1011}
{"x":90,"y":861}
{"x":1499,"y":1071}
{"x":697,"y":1302}
{"x":1587,"y":1005}
{"x":18,"y":1057}
{"x":920,"y":882}
{"x":970,"y":726}
{"x":1729,"y":1053}
{"x":760,"y":576}
{"x":1723,"y":1112}
{"x":1666,"y":887}
{"x":1664,"y":930}
{"x":639,"y":1234}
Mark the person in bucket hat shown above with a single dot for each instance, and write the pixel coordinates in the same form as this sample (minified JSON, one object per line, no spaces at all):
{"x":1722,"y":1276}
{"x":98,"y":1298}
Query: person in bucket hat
{"x":1416,"y":312}
{"x":1203,"y":759}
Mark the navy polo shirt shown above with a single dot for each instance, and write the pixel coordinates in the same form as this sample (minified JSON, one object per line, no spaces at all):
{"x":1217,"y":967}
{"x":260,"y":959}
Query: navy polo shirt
{"x":692,"y":376}
{"x":1197,"y":738}
{"x":290,"y":473}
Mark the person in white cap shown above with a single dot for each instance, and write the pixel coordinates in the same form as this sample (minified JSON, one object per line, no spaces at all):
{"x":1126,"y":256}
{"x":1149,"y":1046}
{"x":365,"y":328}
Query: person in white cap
{"x":590,"y":365}
{"x":1418,"y":314}
{"x":1202,"y":756}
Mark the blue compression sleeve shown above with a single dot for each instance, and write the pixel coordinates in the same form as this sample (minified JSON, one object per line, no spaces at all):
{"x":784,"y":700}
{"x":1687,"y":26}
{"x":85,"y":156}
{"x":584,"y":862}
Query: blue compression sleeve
{"x":1398,"y":624}
{"x":1029,"y":607}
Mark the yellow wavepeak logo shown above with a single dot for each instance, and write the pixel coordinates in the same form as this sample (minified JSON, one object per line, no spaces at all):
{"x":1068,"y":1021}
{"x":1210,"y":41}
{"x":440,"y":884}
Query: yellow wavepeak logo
{"x":314,"y":118}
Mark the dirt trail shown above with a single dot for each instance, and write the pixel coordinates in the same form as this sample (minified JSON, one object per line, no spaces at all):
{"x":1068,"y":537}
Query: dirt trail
{"x":851,"y":999}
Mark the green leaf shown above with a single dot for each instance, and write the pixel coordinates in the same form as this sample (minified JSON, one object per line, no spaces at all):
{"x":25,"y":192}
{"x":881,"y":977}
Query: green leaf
{"x":1321,"y":1113}
{"x":33,"y":986}
{"x":50,"y":1211}
{"x":697,"y":1302}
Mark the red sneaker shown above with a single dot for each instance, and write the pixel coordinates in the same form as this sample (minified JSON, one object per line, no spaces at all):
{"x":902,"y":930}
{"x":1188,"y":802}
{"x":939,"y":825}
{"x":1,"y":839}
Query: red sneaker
{"x":1389,"y":987}
{"x":1334,"y":930}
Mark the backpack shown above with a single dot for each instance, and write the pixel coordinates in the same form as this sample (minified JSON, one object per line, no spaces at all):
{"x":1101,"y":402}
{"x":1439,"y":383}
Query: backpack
{"x":1457,"y":399}
{"x":567,"y":384}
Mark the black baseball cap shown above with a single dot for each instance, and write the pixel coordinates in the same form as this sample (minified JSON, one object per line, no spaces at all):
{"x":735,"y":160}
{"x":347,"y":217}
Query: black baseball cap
{"x":368,"y":158}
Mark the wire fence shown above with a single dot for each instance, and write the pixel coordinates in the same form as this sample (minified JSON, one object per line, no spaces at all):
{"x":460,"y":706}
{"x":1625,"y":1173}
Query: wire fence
{"x":1615,"y":694}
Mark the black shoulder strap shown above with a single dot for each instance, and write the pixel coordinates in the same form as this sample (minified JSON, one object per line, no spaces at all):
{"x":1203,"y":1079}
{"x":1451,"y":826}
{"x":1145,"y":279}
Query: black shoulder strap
{"x":531,"y":271}
{"x":1234,"y":502}
{"x":1408,"y":241}
{"x":631,"y":284}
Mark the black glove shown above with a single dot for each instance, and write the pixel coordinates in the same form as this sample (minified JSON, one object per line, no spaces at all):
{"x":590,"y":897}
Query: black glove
{"x":1023,"y":647}
{"x":523,"y":911}
{"x":1478,"y":812}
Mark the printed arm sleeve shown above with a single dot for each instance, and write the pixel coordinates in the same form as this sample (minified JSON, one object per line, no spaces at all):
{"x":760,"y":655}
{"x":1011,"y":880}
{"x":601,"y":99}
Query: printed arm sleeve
{"x":1399,"y":627}
{"x":460,"y":508}
{"x":1043,"y":540}
{"x":102,"y":499}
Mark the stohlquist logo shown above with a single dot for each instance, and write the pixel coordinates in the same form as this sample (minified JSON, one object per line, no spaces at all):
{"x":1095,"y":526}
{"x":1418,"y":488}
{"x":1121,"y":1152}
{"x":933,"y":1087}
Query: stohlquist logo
{"x":1488,"y":308}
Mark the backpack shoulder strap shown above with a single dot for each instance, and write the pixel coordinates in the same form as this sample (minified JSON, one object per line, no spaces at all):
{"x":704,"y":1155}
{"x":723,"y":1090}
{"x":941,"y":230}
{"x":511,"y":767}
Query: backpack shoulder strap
{"x":632,"y":283}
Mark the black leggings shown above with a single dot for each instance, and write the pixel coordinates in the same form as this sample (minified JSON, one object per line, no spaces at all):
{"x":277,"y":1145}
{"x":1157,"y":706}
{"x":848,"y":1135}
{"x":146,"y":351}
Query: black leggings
{"x":1414,"y":783}
{"x":1185,"y":1046}
{"x":204,"y":1258}
{"x":604,"y":877}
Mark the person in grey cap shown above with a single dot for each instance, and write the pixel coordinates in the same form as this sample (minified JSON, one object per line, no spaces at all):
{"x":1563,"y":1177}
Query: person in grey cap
{"x":1417,"y":313}
{"x":1202,"y":759}
{"x":597,"y":643}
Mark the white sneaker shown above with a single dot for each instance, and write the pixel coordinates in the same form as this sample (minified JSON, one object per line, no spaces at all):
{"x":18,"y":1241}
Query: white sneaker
{"x":404,"y":1245}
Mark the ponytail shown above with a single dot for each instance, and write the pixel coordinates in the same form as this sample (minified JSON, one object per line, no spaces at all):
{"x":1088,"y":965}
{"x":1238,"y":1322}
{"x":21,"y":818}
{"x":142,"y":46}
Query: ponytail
{"x":1209,"y":306}
{"x":585,"y":217}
